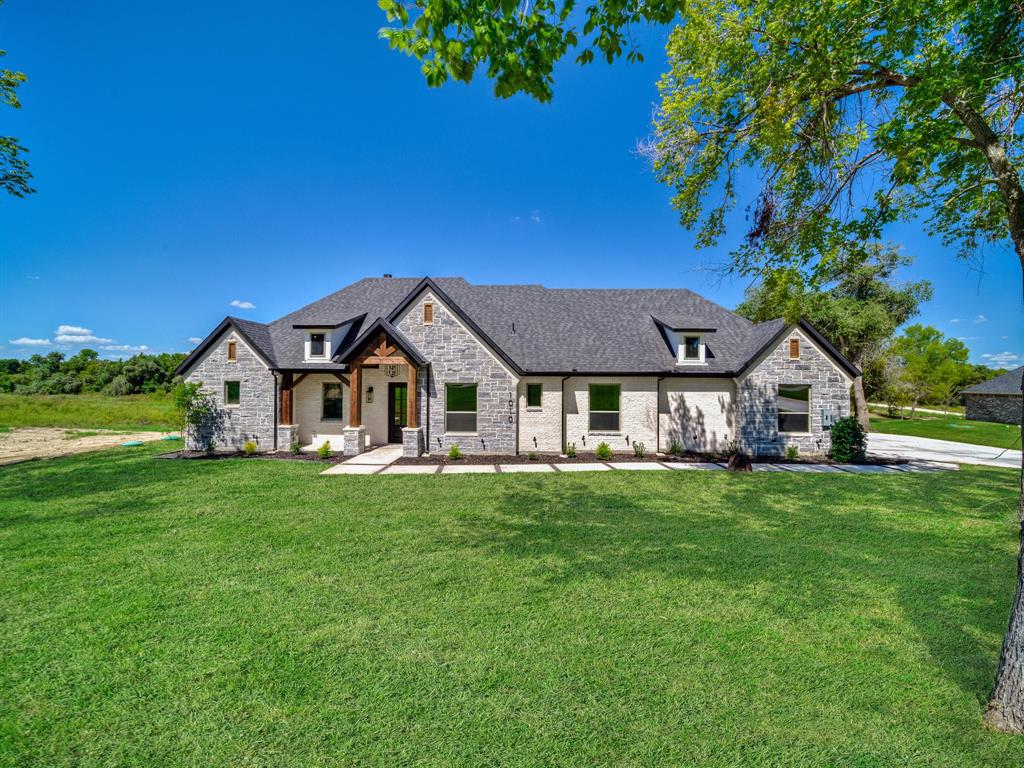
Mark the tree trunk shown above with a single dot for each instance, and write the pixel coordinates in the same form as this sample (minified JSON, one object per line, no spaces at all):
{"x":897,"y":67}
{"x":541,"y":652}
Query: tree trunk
{"x":860,"y":403}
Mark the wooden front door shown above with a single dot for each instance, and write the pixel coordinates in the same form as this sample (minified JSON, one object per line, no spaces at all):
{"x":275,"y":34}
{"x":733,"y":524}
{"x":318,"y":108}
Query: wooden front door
{"x":398,"y":411}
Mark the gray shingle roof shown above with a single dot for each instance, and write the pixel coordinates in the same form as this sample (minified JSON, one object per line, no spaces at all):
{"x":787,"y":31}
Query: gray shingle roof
{"x":541,"y":330}
{"x":1006,"y":384}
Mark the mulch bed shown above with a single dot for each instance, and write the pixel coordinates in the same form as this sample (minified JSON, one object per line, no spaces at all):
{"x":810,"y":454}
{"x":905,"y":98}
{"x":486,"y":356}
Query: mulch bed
{"x":590,"y":458}
{"x":278,"y":456}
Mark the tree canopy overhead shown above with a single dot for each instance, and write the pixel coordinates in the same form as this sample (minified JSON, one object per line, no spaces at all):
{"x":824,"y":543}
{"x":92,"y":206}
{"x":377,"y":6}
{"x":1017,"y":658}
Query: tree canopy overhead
{"x":14,"y":173}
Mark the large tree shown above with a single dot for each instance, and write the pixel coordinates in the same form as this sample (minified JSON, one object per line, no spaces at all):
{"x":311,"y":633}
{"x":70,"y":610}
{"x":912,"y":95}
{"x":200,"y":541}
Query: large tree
{"x":856,"y":302}
{"x":14,"y":173}
{"x":827,"y":121}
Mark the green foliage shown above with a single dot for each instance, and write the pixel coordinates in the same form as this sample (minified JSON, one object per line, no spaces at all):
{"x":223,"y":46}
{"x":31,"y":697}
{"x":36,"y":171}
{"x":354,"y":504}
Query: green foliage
{"x":531,"y":456}
{"x":249,"y":448}
{"x":193,"y":406}
{"x":933,"y":366}
{"x":518,"y":44}
{"x":675,"y":448}
{"x":324,"y":451}
{"x":849,"y":441}
{"x":53,"y":374}
{"x":14,"y":172}
{"x":639,"y":449}
{"x":792,"y":452}
{"x":603,"y":451}
{"x":90,"y":411}
{"x":295,"y":448}
{"x":455,"y":452}
{"x":570,"y":450}
{"x":943,"y":427}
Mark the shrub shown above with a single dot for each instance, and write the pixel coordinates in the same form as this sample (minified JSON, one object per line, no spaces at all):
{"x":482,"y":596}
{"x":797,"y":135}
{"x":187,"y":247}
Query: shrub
{"x":731,"y":448}
{"x":570,"y":450}
{"x":639,"y":449}
{"x":295,"y":447}
{"x":849,"y":442}
{"x":324,"y":451}
{"x":249,"y":447}
{"x":603,"y":451}
{"x":532,"y":456}
{"x":792,"y":452}
{"x":455,"y":452}
{"x":675,"y":448}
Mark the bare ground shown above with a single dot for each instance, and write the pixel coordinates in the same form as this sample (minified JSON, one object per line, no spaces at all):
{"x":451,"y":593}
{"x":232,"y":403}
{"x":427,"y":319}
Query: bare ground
{"x":25,"y":443}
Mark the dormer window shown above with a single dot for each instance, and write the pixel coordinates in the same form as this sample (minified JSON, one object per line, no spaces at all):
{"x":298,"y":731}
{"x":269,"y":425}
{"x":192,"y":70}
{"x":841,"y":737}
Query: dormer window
{"x":318,"y":344}
{"x":691,"y":348}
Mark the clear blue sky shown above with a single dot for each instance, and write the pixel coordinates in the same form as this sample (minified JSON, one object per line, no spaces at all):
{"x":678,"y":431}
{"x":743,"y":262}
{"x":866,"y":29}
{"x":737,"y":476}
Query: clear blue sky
{"x":190,"y":155}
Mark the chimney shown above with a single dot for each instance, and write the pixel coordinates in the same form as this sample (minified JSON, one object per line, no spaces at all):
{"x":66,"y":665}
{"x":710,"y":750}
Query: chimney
{"x":387,"y":274}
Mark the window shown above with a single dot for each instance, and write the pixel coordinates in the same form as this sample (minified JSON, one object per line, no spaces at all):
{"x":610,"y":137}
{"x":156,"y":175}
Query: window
{"x":604,"y":407}
{"x":317,"y":345}
{"x":794,"y":349}
{"x":428,"y":313}
{"x":332,"y":400}
{"x":460,"y":408}
{"x":232,"y":351}
{"x":533,"y":393}
{"x":232,"y":392}
{"x":691,"y":347}
{"x":794,"y":408}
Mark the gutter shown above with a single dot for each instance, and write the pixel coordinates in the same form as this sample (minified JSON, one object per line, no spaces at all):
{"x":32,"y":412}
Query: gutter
{"x":657,"y":415}
{"x":563,"y":412}
{"x":277,"y":405}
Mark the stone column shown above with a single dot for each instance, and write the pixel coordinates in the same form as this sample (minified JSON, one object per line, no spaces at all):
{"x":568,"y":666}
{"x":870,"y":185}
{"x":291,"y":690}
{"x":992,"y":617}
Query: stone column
{"x":355,"y":440}
{"x":412,"y":441}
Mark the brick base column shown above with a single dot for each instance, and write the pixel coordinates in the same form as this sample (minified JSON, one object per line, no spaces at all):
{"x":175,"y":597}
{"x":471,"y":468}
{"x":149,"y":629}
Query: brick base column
{"x":286,"y":435}
{"x":412,"y":441}
{"x":355,"y":440}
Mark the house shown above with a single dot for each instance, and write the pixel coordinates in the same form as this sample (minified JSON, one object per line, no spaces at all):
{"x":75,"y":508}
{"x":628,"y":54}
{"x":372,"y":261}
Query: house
{"x":428,"y":363}
{"x":997,"y":399}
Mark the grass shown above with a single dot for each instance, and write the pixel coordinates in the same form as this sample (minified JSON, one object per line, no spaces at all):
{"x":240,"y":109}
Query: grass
{"x":75,"y":434}
{"x":89,"y":411}
{"x":252,"y":612}
{"x":955,"y":428}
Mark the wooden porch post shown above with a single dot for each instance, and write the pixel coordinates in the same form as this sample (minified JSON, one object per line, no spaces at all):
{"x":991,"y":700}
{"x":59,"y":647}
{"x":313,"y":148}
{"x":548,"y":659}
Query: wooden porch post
{"x":286,"y":399}
{"x":411,"y":399}
{"x":355,"y":399}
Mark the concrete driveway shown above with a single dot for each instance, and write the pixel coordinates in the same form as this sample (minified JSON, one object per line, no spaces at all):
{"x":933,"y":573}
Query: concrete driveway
{"x":941,"y":450}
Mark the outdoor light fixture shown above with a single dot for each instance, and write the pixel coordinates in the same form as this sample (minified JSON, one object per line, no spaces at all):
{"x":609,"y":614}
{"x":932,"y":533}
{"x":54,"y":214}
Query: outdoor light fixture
{"x":369,"y":394}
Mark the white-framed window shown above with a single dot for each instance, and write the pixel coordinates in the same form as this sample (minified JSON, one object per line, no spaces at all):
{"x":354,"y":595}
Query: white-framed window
{"x":604,"y":407}
{"x":460,"y":408}
{"x":691,"y":348}
{"x":232,"y":393}
{"x":318,"y":345}
{"x":794,"y":403}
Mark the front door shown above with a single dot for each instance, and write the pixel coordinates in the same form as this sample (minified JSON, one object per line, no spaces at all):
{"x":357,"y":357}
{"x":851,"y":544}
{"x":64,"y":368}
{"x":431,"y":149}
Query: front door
{"x":398,"y":411}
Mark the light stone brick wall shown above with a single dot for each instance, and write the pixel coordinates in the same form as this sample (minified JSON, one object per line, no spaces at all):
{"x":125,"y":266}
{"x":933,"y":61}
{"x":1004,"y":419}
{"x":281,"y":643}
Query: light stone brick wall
{"x":699,"y":413}
{"x":253,"y":417}
{"x":638,"y":413}
{"x":1003,"y":409}
{"x":457,"y":356}
{"x":757,"y":393}
{"x":540,"y":429}
{"x":308,"y":409}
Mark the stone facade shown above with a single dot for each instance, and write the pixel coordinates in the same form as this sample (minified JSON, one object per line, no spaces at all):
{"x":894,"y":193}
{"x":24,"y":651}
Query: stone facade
{"x":1004,"y":409}
{"x":457,"y":356}
{"x":757,"y":396}
{"x":412,"y":441}
{"x":233,"y":425}
{"x":355,"y":440}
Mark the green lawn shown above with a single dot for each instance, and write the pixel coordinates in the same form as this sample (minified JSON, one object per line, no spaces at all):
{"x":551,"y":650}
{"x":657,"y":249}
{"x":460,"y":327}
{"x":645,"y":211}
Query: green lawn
{"x":949,"y":428}
{"x":249,"y":612}
{"x":135,"y":412}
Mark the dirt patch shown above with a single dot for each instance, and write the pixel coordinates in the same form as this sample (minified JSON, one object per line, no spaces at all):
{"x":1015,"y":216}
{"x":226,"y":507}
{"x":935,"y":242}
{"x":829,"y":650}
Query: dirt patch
{"x":26,"y":443}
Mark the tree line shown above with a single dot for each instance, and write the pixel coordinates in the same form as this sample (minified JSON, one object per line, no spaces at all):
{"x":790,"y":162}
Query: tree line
{"x":55,"y":374}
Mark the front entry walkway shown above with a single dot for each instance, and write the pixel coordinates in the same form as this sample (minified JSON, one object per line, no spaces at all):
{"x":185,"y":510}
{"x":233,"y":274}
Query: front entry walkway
{"x":369,"y":463}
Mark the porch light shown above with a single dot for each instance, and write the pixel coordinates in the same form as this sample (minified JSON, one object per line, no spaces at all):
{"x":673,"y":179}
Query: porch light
{"x":369,"y":394}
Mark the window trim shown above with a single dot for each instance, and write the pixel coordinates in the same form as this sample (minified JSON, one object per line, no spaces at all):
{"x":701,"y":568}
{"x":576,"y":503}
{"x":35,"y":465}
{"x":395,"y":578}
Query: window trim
{"x":681,"y":359}
{"x":228,"y":382}
{"x":475,"y":411}
{"x":428,"y":313}
{"x":780,"y":412}
{"x":794,"y":343}
{"x":590,"y":411}
{"x":232,"y":351}
{"x":323,"y":400}
{"x":308,"y":344}
{"x":540,"y":405}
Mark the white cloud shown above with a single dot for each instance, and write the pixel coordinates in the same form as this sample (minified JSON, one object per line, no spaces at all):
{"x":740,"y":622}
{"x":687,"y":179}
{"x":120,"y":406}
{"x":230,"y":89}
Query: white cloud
{"x":124,"y":348}
{"x":194,"y":339}
{"x":242,"y":304}
{"x":535,"y":216}
{"x":73,"y":329}
{"x":968,"y":338}
{"x":981,"y":319}
{"x":31,"y":277}
{"x":956,"y":320}
{"x":24,"y":342}
{"x":80,"y":338}
{"x":1003,"y":360}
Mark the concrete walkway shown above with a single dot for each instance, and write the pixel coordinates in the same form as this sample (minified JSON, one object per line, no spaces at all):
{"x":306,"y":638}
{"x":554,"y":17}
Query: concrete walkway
{"x":376,"y":462}
{"x":927,"y":449}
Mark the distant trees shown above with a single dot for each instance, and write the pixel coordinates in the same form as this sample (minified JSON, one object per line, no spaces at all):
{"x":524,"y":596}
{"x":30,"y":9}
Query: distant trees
{"x":53,"y":374}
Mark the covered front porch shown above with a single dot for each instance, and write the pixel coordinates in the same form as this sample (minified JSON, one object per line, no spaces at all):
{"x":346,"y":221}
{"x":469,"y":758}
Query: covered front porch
{"x":374,"y":402}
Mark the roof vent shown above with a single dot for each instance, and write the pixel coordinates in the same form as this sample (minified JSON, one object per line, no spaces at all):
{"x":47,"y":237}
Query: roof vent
{"x":387,"y":274}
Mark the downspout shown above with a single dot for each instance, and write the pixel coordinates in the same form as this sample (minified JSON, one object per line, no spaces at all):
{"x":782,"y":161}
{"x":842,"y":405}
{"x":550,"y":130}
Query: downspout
{"x":277,"y":405}
{"x":426,"y":427}
{"x":657,"y":416}
{"x":563,"y":412}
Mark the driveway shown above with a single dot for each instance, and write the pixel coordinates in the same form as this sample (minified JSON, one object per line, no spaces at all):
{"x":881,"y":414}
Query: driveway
{"x":941,"y":450}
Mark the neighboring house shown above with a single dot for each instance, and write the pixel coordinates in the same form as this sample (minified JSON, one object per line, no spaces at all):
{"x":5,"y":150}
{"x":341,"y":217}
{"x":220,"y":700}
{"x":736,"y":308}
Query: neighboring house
{"x":512,"y":368}
{"x":997,"y":399}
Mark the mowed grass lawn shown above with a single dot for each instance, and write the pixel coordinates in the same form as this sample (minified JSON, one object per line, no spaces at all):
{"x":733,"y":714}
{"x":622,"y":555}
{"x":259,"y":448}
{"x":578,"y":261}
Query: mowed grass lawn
{"x":250,"y":612}
{"x":957,"y":428}
{"x":95,"y":411}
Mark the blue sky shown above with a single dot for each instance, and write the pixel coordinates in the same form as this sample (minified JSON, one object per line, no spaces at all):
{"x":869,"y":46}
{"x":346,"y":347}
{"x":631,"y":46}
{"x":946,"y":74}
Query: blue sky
{"x":193,"y":155}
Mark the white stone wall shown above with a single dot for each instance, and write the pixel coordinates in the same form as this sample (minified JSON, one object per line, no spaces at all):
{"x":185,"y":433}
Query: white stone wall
{"x":700,"y":413}
{"x":540,"y":429}
{"x":231,"y":427}
{"x":307,"y":411}
{"x":638,"y":413}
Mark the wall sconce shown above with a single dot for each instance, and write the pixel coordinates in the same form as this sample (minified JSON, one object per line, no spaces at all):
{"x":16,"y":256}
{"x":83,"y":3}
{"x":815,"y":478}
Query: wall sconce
{"x":369,"y":394}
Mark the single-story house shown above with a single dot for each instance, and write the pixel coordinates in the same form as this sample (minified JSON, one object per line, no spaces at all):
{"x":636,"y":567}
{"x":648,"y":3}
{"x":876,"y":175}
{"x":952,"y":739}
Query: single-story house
{"x":502,"y":369}
{"x":997,"y":399}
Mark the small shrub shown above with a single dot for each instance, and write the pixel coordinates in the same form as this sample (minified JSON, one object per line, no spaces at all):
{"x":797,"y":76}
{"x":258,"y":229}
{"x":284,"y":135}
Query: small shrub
{"x":731,"y":448}
{"x":455,"y":453}
{"x":792,"y":452}
{"x":603,"y":451}
{"x":324,"y":451}
{"x":295,"y":448}
{"x":675,"y":448}
{"x":570,"y":450}
{"x":249,"y":448}
{"x":849,"y":442}
{"x":531,"y":456}
{"x":639,"y":449}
